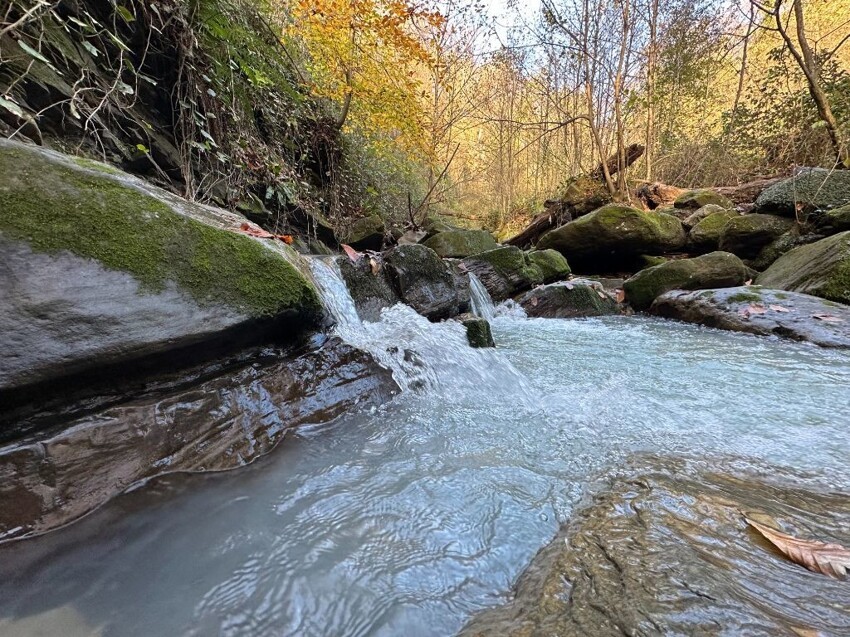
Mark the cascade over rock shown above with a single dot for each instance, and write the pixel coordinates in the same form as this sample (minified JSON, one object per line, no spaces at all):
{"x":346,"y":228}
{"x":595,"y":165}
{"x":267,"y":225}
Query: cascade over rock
{"x":505,"y":271}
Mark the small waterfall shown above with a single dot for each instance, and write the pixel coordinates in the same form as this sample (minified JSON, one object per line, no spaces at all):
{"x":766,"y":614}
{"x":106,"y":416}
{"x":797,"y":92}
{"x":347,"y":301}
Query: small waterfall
{"x":422,"y":355}
{"x":482,"y":304}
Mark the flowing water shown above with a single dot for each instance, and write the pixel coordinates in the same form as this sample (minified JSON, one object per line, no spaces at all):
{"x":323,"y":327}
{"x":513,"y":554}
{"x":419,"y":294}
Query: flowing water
{"x":409,"y":519}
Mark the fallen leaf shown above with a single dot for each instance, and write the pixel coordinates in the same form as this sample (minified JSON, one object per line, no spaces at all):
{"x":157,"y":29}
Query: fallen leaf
{"x":778,"y":308}
{"x":601,"y":294}
{"x":376,"y":267}
{"x":353,"y":254}
{"x":752,"y":308}
{"x":829,"y":559}
{"x":286,"y":238}
{"x":827,"y":318}
{"x":748,"y":282}
{"x":462,"y":267}
{"x":255,"y":231}
{"x":569,"y":285}
{"x":534,"y":301}
{"x":621,"y":295}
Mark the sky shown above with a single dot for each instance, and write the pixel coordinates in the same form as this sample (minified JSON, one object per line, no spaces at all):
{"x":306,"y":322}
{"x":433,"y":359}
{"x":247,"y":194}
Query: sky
{"x":510,"y":13}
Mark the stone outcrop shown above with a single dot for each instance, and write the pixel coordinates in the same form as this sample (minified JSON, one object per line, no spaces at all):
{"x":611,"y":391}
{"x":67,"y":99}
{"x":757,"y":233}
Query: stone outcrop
{"x":461,"y":243}
{"x":704,"y":235}
{"x":821,"y":268}
{"x":696,"y":199}
{"x":811,"y":189}
{"x":746,"y":235}
{"x":569,"y":299}
{"x":504,"y":271}
{"x":425,"y":282}
{"x":762,"y":311}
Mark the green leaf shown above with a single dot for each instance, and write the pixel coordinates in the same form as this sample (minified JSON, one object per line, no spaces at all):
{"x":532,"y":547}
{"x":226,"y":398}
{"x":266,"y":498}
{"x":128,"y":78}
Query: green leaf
{"x":142,"y":148}
{"x":13,"y":108}
{"x":38,"y":56}
{"x":119,"y":42}
{"x":88,"y":46}
{"x":125,"y":13}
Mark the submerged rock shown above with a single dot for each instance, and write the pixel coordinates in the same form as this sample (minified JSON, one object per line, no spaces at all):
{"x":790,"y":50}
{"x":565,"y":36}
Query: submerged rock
{"x":821,"y":268}
{"x":713,"y":270}
{"x":695,"y":199}
{"x":101,"y":269}
{"x":662,"y":548}
{"x":220,"y":423}
{"x":757,"y":310}
{"x":461,"y":243}
{"x":746,"y":235}
{"x":504,"y":271}
{"x":569,"y":299}
{"x":478,"y":331}
{"x":614,"y":234}
{"x":811,"y":189}
{"x":424,"y":281}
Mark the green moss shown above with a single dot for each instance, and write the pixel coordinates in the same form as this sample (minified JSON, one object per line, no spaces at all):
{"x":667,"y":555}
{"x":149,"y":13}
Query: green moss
{"x":84,"y":162}
{"x":551,"y":263}
{"x":838,"y":284}
{"x":698,"y":198}
{"x":744,"y":297}
{"x":780,"y":295}
{"x":512,"y":263}
{"x":55,"y":207}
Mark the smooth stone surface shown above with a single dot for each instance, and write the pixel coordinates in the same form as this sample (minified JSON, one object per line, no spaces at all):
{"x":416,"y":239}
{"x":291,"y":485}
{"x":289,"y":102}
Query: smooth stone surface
{"x":706,"y":211}
{"x":713,"y":270}
{"x":504,"y":271}
{"x":478,"y":331}
{"x":50,"y":479}
{"x":810,"y":189}
{"x":762,"y":311}
{"x":661,"y":548}
{"x":705,"y":235}
{"x":371,"y":291}
{"x":569,"y":299}
{"x":696,"y":199}
{"x":461,"y":243}
{"x":821,"y":268}
{"x":552,"y":264}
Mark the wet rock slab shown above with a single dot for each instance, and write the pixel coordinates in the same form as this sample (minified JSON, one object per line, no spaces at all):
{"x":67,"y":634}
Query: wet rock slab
{"x":757,"y":310}
{"x":52,"y":478}
{"x":663,"y":549}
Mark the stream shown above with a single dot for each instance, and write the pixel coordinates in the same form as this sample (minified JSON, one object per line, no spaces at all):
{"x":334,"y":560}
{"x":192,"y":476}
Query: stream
{"x":411,"y":518}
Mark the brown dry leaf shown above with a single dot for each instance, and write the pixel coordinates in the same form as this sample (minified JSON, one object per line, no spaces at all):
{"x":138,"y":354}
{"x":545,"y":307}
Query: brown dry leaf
{"x":462,"y":267}
{"x":779,"y":308}
{"x":827,"y":318}
{"x":353,"y":254}
{"x":830,"y":559}
{"x":748,"y":282}
{"x":806,"y":632}
{"x":752,"y":308}
{"x":376,"y":267}
{"x":255,"y":231}
{"x":534,"y":301}
{"x":621,"y":295}
{"x":601,"y":294}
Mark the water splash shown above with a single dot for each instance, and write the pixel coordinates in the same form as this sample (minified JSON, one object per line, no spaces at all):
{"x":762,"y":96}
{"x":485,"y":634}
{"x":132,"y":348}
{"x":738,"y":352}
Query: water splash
{"x":482,"y":304}
{"x":422,"y":355}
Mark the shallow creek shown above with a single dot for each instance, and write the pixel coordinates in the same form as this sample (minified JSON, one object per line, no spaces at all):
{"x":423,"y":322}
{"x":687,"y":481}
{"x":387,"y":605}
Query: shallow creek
{"x":409,"y":519}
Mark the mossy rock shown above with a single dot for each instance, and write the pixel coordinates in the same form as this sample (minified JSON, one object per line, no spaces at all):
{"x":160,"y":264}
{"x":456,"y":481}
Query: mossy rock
{"x":833,"y":221}
{"x":820,"y":269}
{"x":705,"y":235}
{"x":569,"y":299}
{"x":504,"y":271}
{"x":648,"y":261}
{"x":746,"y":235}
{"x":371,"y":291}
{"x":695,"y":199}
{"x":613,"y":234}
{"x":433,"y":224}
{"x":714,"y":270}
{"x":121,"y":270}
{"x":811,"y":189}
{"x":775,"y":249}
{"x":461,"y":243}
{"x":423,"y":281}
{"x":478,"y":331}
{"x":367,"y":233}
{"x":552,"y":264}
{"x":693,"y":218}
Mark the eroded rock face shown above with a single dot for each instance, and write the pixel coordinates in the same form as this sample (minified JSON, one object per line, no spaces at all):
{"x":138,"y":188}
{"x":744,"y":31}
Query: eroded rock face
{"x":50,"y":479}
{"x":821,"y":268}
{"x":569,"y":299}
{"x":745,"y":236}
{"x":367,"y":233}
{"x":372,"y":291}
{"x":811,"y":189}
{"x":713,"y":270}
{"x":606,"y":238}
{"x":705,"y":234}
{"x":98,"y":269}
{"x":762,"y":311}
{"x":425,"y":282}
{"x":662,"y":549}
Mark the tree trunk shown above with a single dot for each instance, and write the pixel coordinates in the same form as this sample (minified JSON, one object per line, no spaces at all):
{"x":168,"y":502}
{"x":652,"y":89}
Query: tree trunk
{"x":632,"y":154}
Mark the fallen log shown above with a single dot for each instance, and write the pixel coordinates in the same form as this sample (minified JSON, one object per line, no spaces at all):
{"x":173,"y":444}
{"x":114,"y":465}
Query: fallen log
{"x":550,"y":218}
{"x":656,"y":195}
{"x":632,"y":154}
{"x":748,"y":192}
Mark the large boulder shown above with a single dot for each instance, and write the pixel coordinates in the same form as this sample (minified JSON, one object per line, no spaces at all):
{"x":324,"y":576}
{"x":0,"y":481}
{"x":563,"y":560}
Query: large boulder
{"x":758,"y":310}
{"x":693,"y":218}
{"x":569,"y":299}
{"x":504,"y":271}
{"x":821,"y":268}
{"x":695,"y":199}
{"x":423,"y":281}
{"x":366,"y":233}
{"x":369,"y":284}
{"x":552,"y":264}
{"x":704,"y":236}
{"x":746,"y":235}
{"x":836,"y":220}
{"x":101,"y":270}
{"x":461,"y":243}
{"x":811,"y":189}
{"x":714,"y":270}
{"x":614,"y":234}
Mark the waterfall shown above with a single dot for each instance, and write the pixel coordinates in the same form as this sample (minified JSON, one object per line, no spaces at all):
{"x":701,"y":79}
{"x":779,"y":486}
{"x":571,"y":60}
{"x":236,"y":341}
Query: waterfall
{"x":422,"y":355}
{"x":482,"y":304}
